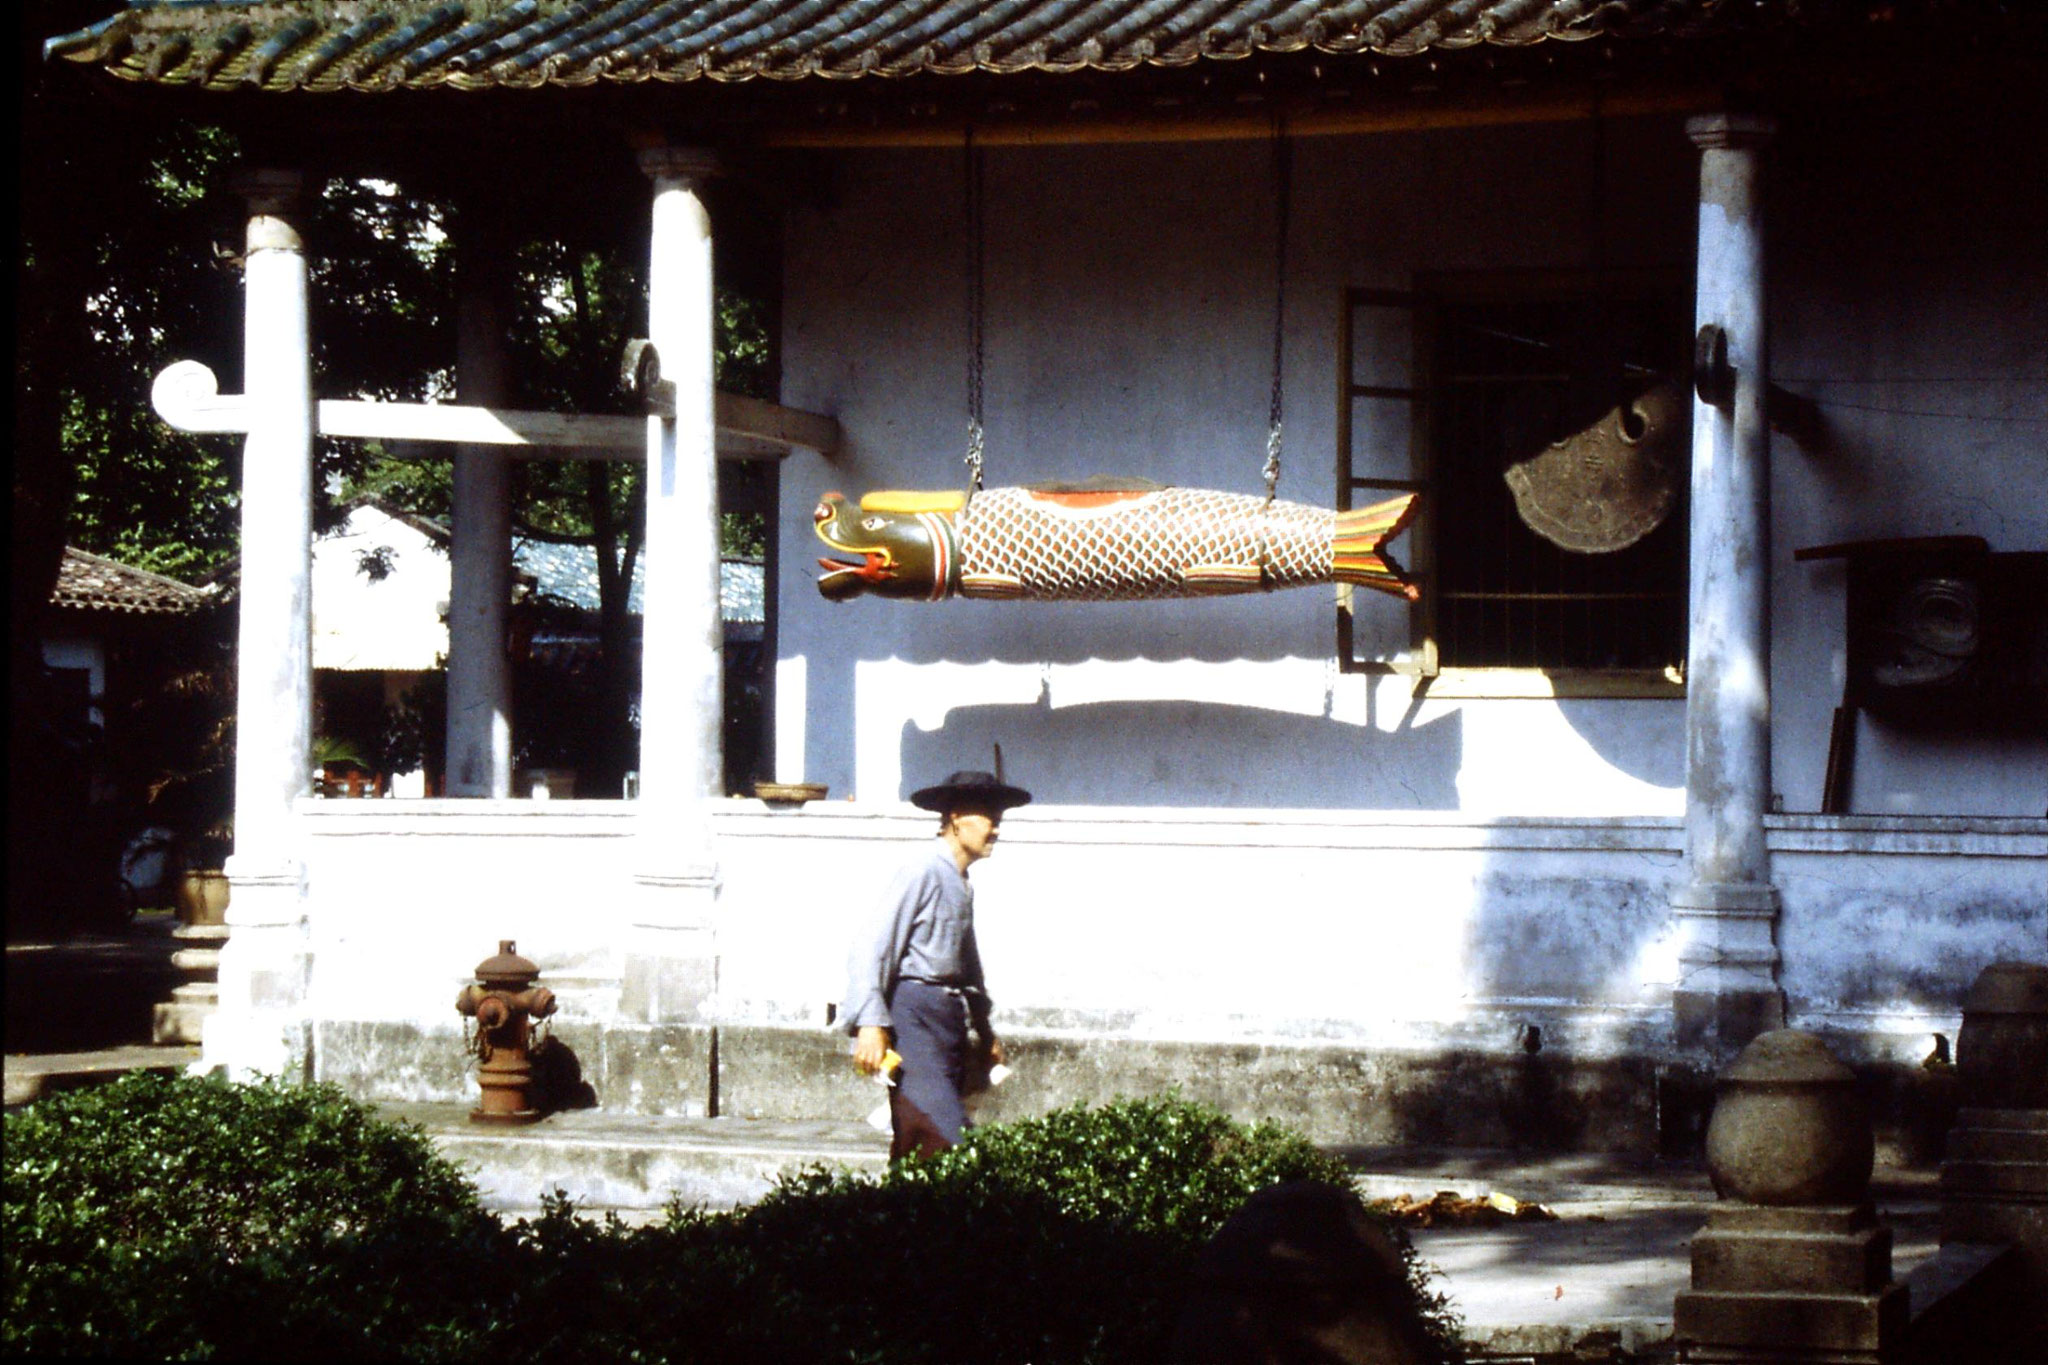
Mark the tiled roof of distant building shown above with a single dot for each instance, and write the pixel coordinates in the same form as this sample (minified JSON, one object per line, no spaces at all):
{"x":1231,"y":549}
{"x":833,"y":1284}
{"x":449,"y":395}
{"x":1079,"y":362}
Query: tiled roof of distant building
{"x":568,"y":574}
{"x":90,"y":582}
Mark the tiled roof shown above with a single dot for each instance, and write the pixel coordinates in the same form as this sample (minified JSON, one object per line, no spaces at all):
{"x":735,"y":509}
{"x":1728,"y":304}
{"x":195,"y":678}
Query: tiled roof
{"x":88,"y":582}
{"x":471,"y":44}
{"x":568,"y":573}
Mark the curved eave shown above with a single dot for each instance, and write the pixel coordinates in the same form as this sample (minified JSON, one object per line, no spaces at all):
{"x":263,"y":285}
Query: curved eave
{"x":427,"y":50}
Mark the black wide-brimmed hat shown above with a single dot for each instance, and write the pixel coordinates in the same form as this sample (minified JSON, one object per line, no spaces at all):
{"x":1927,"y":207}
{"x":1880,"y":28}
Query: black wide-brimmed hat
{"x":971,"y":789}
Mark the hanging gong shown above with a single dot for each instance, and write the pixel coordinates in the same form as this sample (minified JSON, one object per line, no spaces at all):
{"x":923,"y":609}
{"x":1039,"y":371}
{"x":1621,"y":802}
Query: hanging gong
{"x":1606,"y":487}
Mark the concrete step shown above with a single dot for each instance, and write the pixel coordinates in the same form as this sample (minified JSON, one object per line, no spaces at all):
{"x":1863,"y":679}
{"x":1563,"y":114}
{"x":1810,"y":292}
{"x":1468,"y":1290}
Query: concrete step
{"x":633,"y":1163}
{"x":32,"y":1077}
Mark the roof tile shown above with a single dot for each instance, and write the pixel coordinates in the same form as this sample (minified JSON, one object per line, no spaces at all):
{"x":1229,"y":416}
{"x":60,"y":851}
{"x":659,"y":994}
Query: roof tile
{"x":90,"y":582}
{"x":382,"y":44}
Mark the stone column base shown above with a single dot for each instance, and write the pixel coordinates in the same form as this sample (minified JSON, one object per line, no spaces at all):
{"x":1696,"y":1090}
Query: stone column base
{"x":670,"y":972}
{"x":260,"y":1027}
{"x":1727,"y":990}
{"x":1800,"y":1283}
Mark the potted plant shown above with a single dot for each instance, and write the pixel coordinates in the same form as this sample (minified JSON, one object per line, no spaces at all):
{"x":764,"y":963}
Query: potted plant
{"x":202,"y":894}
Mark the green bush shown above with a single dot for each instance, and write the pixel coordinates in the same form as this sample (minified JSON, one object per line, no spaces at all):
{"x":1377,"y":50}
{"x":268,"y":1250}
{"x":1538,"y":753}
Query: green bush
{"x":1067,"y":1238}
{"x":177,"y":1218}
{"x":166,"y":1216}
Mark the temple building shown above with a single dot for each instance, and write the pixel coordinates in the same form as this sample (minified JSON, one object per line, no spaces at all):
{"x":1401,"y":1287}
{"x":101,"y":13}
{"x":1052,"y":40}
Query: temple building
{"x":1709,"y":337}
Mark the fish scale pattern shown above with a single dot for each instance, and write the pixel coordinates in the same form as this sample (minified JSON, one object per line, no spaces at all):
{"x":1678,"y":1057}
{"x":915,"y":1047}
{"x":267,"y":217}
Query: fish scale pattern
{"x":1140,"y":548}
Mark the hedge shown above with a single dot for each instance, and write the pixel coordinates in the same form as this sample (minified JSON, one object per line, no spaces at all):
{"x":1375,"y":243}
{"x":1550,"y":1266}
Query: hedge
{"x":178,"y":1218}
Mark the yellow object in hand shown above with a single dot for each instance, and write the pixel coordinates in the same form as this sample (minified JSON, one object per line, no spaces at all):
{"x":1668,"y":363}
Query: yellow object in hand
{"x":892,"y":1061}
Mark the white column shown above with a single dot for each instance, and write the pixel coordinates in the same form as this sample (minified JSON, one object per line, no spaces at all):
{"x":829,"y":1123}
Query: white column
{"x":1726,"y":912}
{"x":671,"y":967}
{"x":682,"y":705}
{"x":260,"y":1025}
{"x":479,"y":754}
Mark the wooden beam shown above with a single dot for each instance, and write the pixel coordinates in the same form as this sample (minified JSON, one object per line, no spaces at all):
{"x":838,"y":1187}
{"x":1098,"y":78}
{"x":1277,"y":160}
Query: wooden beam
{"x":455,"y":423}
{"x":756,"y":419}
{"x":188,"y":397}
{"x":1257,"y":125}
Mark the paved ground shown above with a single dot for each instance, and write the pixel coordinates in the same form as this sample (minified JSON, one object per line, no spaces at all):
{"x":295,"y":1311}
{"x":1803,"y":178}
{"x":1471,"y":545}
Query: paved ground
{"x":90,"y":992}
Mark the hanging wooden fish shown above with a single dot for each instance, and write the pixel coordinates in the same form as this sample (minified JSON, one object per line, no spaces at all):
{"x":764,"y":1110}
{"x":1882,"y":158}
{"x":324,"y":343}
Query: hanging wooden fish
{"x":1102,"y":541}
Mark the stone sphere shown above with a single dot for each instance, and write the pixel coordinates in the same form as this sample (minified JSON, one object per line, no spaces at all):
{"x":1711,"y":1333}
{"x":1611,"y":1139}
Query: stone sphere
{"x":1789,"y":1126}
{"x":2002,"y":1050}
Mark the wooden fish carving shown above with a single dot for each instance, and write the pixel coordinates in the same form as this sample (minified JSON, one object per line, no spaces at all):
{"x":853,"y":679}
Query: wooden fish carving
{"x":1103,"y":541}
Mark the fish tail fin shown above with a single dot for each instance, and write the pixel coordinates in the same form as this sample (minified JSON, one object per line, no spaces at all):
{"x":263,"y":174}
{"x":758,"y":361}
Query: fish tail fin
{"x":1358,"y":551}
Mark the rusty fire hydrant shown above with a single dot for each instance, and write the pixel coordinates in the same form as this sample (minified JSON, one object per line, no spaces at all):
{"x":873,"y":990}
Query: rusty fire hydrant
{"x":504,"y":1001}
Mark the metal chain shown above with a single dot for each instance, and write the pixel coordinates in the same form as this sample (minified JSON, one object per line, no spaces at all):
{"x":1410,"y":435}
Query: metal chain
{"x":975,"y":301}
{"x":1282,"y":185}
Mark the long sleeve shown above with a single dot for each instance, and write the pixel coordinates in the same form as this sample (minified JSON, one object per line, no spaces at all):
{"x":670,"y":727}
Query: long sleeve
{"x":875,"y":961}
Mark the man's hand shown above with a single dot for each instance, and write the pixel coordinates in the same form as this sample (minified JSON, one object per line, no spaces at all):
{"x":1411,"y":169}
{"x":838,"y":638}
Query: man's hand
{"x":996,"y":1055}
{"x":868,"y":1047}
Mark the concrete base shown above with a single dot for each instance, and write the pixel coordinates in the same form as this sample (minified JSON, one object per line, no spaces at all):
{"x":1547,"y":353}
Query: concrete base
{"x":1796,"y":1283}
{"x":1345,"y":1095}
{"x":662,"y":1069}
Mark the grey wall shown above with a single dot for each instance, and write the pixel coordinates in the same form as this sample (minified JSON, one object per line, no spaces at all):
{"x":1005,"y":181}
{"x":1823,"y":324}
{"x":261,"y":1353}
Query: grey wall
{"x":1909,"y":253}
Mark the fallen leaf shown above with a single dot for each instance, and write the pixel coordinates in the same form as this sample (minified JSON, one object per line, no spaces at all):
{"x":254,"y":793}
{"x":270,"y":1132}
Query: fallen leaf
{"x":1559,"y":1294}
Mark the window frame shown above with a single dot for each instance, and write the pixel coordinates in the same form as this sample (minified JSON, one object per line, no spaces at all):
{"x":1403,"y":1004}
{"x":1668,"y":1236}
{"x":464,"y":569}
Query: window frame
{"x":1426,"y":301}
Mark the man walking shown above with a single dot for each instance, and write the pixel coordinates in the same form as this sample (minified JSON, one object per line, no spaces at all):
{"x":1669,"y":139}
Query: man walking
{"x":914,"y":976}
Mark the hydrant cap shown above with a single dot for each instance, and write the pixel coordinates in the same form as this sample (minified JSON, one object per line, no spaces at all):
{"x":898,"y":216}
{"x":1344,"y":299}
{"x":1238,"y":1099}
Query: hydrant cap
{"x":508,"y":968}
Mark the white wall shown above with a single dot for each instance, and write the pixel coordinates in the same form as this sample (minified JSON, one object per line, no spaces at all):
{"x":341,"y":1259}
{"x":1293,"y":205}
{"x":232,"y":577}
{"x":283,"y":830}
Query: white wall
{"x":1128,"y":316}
{"x":1401,"y":932}
{"x":394,"y":623}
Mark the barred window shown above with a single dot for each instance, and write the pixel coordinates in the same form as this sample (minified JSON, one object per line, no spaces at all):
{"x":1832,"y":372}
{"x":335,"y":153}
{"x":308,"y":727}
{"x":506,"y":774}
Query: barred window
{"x":1546,"y":423}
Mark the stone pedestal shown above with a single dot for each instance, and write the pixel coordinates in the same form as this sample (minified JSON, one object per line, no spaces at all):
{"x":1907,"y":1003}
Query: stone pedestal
{"x":1793,"y":1265}
{"x":1809,"y":1283}
{"x":182,"y":1018}
{"x":1994,"y":1182}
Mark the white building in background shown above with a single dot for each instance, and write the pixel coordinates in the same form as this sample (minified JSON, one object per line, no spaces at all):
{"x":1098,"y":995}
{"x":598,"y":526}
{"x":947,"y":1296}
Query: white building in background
{"x":380,"y":594}
{"x":1515,"y":867}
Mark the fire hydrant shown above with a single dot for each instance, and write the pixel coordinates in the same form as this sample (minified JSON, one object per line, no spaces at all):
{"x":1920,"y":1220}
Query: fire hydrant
{"x":504,"y":1002}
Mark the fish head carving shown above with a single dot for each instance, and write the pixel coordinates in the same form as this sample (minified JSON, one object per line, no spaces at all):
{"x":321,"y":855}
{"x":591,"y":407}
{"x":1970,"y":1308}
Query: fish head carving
{"x":902,"y":545}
